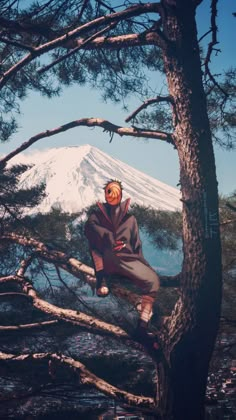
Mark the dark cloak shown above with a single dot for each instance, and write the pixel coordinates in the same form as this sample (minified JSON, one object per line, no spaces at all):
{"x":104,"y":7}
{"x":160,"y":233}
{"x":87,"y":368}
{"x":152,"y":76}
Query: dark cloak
{"x":108,"y":224}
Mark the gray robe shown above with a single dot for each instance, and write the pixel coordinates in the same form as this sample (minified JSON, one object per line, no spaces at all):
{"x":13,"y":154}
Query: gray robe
{"x":109,"y":224}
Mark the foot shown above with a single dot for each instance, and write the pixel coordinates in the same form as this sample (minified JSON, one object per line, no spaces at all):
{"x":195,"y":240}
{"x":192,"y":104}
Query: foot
{"x":102,"y":291}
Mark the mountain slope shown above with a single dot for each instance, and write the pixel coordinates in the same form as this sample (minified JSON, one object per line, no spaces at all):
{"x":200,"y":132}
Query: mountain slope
{"x":75,"y":177}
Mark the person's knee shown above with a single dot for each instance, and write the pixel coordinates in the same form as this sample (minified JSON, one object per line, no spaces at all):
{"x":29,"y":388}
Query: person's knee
{"x":152,"y":285}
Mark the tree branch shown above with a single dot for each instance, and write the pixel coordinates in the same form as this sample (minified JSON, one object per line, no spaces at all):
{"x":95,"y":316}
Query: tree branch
{"x":8,"y":279}
{"x":68,"y":315}
{"x":213,"y":30}
{"x":132,"y":11}
{"x":121,"y":41}
{"x":149,"y":102}
{"x":85,"y":377}
{"x":12,"y":295}
{"x":24,"y":327}
{"x":90,"y":122}
{"x":67,"y":263}
{"x":24,"y":264}
{"x":87,"y":322}
{"x":74,"y":50}
{"x":211,"y":46}
{"x":72,"y":264}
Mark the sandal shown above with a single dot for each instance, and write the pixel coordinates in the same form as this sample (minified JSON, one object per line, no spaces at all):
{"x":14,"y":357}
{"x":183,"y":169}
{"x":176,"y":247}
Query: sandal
{"x":102,"y":289}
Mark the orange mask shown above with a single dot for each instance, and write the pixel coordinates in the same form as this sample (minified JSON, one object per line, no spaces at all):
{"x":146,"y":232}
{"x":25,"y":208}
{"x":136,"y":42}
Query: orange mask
{"x":113,"y":193}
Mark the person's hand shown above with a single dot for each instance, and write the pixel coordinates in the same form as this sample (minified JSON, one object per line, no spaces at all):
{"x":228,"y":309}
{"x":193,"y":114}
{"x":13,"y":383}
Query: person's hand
{"x":119,"y":245}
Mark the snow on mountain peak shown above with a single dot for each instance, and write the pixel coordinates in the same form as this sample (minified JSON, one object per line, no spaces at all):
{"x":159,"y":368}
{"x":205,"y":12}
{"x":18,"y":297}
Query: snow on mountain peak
{"x":75,"y":176}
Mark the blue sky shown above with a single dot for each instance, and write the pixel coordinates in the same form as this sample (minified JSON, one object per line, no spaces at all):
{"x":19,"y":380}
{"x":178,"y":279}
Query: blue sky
{"x":153,"y":157}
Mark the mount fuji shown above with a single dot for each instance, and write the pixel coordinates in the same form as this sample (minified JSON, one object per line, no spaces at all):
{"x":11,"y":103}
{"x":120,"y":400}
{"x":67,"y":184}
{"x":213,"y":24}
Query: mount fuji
{"x":75,"y":176}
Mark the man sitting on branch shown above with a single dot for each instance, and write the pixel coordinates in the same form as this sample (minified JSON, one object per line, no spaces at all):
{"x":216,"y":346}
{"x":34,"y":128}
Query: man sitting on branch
{"x":116,"y":249}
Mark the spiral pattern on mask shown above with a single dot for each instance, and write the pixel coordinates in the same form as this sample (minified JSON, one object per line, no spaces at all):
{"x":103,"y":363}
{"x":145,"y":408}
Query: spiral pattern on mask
{"x":113,"y":193}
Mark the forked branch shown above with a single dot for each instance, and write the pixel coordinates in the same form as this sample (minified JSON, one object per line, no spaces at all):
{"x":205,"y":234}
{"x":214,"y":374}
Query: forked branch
{"x":85,"y":377}
{"x":72,"y":316}
{"x":81,"y":30}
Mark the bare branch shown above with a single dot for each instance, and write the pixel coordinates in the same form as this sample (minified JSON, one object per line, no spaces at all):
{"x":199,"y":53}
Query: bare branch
{"x":13,"y":294}
{"x":85,"y":376}
{"x":23,"y":327}
{"x":211,"y":47}
{"x":149,"y":102}
{"x":8,"y":279}
{"x":213,"y":31}
{"x":24,"y":265}
{"x":121,"y":41}
{"x":204,"y":35}
{"x":91,"y":122}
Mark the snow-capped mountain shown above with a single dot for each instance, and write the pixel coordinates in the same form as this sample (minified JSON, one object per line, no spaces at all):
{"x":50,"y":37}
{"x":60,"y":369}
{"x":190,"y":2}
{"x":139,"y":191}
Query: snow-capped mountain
{"x":75,"y":176}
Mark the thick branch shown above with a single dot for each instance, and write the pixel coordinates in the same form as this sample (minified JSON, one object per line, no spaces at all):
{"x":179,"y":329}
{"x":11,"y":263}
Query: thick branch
{"x":121,"y":41}
{"x":85,"y":376}
{"x":90,"y":122}
{"x":68,"y":315}
{"x":8,"y":279}
{"x":46,"y":31}
{"x":75,"y":267}
{"x":53,"y":256}
{"x":132,"y":11}
{"x":24,"y":265}
{"x":76,"y":49}
{"x":67,"y":263}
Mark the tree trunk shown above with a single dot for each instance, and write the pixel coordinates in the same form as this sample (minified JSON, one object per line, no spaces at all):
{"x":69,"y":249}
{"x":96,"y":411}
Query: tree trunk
{"x":194,"y":322}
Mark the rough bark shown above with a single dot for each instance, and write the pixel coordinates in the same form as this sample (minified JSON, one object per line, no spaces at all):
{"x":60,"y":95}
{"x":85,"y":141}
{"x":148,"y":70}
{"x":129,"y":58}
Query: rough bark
{"x":193,"y":325}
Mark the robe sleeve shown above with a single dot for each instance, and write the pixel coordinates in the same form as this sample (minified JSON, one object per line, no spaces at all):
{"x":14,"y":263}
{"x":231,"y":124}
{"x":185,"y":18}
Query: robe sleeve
{"x":99,"y":237}
{"x":135,"y":239}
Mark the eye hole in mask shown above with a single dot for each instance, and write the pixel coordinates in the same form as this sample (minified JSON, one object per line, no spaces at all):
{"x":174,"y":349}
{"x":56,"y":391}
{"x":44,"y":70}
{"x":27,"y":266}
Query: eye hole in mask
{"x":113,"y":193}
